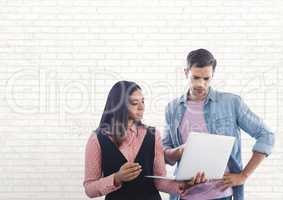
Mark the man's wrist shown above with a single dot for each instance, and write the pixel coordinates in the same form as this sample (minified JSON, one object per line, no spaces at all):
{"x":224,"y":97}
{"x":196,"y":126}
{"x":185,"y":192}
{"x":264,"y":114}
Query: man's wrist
{"x":245,"y":175}
{"x":170,"y":155}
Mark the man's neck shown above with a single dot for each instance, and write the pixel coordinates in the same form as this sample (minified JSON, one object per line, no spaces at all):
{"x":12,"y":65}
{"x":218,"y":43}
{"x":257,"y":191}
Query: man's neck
{"x":192,"y":98}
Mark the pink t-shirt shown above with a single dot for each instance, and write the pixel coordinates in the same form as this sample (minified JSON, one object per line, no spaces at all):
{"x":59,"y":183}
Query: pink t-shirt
{"x":194,"y":121}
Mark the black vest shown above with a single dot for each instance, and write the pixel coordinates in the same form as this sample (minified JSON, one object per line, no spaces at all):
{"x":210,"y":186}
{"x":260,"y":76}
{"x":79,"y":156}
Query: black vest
{"x":141,"y":188}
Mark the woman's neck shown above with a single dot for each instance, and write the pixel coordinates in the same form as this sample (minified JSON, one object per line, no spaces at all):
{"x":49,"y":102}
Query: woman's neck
{"x":130,"y":123}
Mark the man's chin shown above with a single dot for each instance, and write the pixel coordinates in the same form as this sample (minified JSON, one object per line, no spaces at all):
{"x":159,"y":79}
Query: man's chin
{"x":200,"y":96}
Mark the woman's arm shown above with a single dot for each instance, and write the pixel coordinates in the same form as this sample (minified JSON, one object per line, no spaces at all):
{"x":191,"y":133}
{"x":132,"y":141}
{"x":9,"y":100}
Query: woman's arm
{"x":170,"y":186}
{"x":94,"y":183}
{"x":159,"y":169}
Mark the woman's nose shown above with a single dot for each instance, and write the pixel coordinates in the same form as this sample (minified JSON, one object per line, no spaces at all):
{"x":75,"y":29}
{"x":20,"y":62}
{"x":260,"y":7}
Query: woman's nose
{"x":141,"y":106}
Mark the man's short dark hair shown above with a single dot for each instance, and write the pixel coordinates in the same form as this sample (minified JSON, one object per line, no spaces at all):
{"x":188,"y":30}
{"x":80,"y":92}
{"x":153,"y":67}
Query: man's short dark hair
{"x":201,"y":58}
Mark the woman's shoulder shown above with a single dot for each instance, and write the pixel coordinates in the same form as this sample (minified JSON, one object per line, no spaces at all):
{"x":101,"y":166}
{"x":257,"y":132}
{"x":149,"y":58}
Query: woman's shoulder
{"x":151,"y":129}
{"x":92,"y":137}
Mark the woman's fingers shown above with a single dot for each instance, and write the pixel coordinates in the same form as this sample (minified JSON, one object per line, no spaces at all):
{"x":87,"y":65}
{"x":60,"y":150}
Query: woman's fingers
{"x":198,"y":178}
{"x":129,"y":171}
{"x":129,"y":165}
{"x":203,"y":178}
{"x":193,"y":180}
{"x":132,"y":172}
{"x":132,"y":175}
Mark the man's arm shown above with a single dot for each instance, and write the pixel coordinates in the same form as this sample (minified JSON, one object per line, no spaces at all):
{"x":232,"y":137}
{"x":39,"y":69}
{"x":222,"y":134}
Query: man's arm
{"x":231,"y":180}
{"x":254,"y":126}
{"x":171,"y":154}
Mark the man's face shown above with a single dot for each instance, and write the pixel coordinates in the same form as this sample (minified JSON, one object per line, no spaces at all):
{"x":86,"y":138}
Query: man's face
{"x":199,"y":81}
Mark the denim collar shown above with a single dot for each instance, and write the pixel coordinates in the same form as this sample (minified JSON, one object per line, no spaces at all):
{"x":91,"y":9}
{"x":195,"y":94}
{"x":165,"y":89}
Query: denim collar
{"x":210,"y":96}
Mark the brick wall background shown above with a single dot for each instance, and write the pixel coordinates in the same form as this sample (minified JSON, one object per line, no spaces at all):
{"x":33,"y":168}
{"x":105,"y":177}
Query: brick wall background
{"x":59,"y":58}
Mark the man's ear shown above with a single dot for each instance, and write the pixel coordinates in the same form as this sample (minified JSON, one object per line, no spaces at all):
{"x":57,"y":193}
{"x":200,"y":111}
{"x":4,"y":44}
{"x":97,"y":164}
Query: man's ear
{"x":186,"y":71}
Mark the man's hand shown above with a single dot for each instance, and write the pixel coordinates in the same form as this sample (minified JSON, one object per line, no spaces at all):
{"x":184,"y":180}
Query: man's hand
{"x":197,"y":179}
{"x":177,"y":152}
{"x":128,"y":171}
{"x":231,"y":180}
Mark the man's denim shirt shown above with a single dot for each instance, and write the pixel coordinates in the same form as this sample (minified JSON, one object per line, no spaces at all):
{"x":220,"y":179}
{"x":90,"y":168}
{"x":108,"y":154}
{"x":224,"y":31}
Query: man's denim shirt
{"x":225,"y":114}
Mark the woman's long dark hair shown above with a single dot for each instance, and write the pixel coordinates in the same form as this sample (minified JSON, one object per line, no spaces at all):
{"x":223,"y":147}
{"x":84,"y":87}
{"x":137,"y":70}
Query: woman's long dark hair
{"x":114,"y":120}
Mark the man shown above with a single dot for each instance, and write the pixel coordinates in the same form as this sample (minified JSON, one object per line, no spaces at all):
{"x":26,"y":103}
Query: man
{"x":203,"y":109}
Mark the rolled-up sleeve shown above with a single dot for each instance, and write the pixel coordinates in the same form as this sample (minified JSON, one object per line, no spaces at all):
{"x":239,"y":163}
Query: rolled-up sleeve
{"x":167,"y":140}
{"x":255,"y":127}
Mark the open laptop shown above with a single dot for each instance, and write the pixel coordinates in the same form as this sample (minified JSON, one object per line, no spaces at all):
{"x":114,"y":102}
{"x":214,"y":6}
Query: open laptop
{"x":204,"y":152}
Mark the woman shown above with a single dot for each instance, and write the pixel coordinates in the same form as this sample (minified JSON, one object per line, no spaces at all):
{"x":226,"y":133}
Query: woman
{"x":123,"y":150}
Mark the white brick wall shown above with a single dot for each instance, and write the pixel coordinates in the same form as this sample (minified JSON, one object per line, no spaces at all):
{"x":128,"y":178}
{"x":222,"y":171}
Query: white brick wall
{"x":59,"y":58}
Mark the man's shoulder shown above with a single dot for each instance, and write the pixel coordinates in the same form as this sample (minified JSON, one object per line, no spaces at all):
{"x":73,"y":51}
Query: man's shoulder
{"x":176,"y":101}
{"x":174,"y":105}
{"x":220,"y":96}
{"x":226,"y":96}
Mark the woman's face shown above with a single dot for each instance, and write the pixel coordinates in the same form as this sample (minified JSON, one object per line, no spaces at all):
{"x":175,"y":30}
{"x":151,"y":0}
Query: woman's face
{"x":136,"y":105}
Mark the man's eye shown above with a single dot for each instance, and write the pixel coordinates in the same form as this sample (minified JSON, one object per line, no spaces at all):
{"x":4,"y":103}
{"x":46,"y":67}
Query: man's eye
{"x":206,"y":79}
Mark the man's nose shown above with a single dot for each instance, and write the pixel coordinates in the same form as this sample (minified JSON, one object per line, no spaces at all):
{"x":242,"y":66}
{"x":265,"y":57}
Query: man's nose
{"x":200,"y":82}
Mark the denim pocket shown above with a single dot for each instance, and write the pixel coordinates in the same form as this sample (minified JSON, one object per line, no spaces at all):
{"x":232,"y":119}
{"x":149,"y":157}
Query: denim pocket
{"x":223,"y":125}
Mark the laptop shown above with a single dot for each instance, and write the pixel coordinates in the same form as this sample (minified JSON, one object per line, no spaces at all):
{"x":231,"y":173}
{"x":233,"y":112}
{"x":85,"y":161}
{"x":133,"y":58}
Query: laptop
{"x":204,"y":152}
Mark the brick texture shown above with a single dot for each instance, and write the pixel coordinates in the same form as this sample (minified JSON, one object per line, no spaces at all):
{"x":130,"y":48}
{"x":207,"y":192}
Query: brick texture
{"x":59,"y":58}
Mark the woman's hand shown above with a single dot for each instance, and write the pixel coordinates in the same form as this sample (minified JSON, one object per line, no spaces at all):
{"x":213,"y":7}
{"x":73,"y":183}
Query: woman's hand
{"x":129,"y":171}
{"x":197,"y":179}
